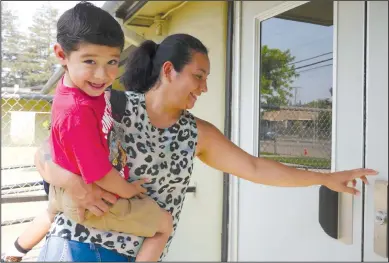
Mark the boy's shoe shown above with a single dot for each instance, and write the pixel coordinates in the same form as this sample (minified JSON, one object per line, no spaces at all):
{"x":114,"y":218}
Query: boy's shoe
{"x":5,"y":258}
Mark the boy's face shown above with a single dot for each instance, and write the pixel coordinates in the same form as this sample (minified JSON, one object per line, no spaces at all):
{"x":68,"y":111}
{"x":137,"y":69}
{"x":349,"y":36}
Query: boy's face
{"x":91,"y":68}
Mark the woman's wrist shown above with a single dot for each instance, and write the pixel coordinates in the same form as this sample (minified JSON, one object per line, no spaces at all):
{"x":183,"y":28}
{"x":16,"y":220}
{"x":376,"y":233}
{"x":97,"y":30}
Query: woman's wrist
{"x":72,"y":181}
{"x":323,"y":178}
{"x":318,"y":178}
{"x":63,"y":178}
{"x":75,"y":186}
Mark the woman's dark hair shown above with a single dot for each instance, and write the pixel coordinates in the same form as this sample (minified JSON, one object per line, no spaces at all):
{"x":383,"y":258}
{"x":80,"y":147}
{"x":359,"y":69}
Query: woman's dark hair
{"x":86,"y":23}
{"x":144,"y":64}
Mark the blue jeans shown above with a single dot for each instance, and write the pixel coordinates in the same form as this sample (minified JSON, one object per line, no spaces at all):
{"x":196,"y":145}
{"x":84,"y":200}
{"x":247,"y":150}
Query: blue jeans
{"x":60,"y":249}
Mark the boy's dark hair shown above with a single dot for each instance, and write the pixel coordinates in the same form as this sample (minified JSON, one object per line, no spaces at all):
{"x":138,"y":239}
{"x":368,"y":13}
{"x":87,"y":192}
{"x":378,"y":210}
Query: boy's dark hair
{"x":86,"y":23}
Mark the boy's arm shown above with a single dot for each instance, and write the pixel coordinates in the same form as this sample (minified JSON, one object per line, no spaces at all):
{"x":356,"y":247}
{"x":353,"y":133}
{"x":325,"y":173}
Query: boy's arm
{"x":81,"y":138}
{"x":114,"y":183}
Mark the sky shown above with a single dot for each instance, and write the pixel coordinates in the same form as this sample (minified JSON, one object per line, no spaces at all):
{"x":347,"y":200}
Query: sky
{"x":304,"y":41}
{"x":25,"y":9}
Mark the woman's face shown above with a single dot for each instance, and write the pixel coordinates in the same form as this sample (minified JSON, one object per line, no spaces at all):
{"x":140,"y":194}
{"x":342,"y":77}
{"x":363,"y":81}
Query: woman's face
{"x":186,"y":86}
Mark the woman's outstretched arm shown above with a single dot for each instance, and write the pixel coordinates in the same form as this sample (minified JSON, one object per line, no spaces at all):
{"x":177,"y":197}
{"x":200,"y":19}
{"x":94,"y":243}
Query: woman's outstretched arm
{"x":217,"y":151}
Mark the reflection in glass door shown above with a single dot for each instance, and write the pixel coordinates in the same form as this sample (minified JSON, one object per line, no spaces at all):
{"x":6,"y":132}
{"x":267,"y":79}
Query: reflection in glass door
{"x":296,"y":86}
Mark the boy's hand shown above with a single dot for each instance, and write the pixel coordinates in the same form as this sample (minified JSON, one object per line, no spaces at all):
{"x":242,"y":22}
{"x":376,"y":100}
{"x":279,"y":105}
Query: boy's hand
{"x":141,"y":196}
{"x":139,"y":189}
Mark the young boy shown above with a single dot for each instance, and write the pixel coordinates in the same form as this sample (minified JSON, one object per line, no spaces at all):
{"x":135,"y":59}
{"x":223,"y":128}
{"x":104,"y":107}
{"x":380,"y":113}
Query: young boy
{"x":89,"y":45}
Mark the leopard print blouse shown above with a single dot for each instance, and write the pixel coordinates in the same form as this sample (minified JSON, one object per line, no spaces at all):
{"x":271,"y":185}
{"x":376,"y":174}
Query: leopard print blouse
{"x":164,"y":156}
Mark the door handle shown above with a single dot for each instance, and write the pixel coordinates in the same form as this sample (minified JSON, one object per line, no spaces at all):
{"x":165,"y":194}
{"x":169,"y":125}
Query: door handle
{"x":381,"y":218}
{"x":336,"y":214}
{"x":328,"y":211}
{"x":191,"y":189}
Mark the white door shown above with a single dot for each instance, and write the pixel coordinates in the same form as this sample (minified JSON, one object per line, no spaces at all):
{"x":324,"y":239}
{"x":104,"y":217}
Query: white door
{"x":299,"y":99}
{"x":375,"y":231}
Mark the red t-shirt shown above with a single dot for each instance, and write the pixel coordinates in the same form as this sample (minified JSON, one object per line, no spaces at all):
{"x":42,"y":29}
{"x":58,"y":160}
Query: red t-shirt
{"x":79,"y":131}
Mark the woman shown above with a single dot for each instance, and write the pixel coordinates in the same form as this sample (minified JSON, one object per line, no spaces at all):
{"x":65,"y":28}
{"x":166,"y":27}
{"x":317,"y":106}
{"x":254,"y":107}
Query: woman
{"x":161,"y":138}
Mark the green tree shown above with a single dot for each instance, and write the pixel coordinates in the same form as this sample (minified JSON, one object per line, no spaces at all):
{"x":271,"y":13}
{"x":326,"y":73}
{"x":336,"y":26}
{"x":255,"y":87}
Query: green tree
{"x":38,"y":60}
{"x":277,"y":76}
{"x":10,"y":47}
{"x":321,"y":104}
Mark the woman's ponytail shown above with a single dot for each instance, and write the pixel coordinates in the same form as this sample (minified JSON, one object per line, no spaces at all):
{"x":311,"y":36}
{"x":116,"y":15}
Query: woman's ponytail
{"x":139,"y":75}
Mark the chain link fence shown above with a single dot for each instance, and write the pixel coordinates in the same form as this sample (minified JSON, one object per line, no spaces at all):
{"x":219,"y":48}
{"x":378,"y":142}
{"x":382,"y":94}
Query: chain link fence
{"x":297,"y":136}
{"x":25,"y":120}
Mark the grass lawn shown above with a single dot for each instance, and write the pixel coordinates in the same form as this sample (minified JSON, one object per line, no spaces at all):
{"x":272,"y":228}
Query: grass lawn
{"x":318,"y":163}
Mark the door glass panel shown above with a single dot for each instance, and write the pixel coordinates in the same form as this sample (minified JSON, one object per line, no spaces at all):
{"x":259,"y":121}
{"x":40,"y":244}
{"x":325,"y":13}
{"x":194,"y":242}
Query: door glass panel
{"x":296,"y":86}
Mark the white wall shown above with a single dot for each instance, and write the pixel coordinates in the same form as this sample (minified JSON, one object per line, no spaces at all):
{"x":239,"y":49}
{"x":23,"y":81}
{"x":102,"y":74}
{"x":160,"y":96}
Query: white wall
{"x":199,"y":235}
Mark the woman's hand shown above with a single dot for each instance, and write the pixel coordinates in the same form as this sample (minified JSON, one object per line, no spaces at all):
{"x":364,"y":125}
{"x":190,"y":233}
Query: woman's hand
{"x":85,"y":196}
{"x":89,"y":196}
{"x":339,"y":181}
